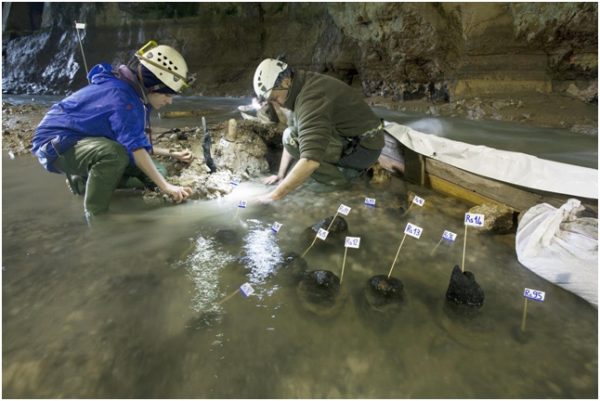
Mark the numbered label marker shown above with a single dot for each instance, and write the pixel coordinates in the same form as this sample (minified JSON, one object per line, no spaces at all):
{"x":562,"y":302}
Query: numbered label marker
{"x":242,"y":204}
{"x":352,"y":242}
{"x":473,"y":219}
{"x":343,"y":209}
{"x":322,"y":234}
{"x":235,"y":182}
{"x":449,"y":236}
{"x":246,"y":289}
{"x":223,"y":142}
{"x":535,"y":295}
{"x":276,"y":227}
{"x":370,"y":202}
{"x":419,"y":201}
{"x":79,"y":25}
{"x":413,"y":231}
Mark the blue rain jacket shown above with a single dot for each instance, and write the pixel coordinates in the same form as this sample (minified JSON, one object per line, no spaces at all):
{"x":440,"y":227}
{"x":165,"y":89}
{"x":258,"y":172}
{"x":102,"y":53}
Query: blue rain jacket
{"x":108,"y":107}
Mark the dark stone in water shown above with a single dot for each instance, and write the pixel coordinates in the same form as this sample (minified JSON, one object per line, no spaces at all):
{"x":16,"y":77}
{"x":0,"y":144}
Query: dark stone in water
{"x":320,"y":287}
{"x":339,"y":226}
{"x":464,"y":290}
{"x":319,"y":293}
{"x":380,"y":302}
{"x":227,"y":237}
{"x":337,"y":232}
{"x":382,"y":291}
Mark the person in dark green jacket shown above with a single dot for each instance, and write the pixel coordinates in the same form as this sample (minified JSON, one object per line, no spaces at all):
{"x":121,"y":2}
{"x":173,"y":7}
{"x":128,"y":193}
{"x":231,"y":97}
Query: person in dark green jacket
{"x":333,"y":133}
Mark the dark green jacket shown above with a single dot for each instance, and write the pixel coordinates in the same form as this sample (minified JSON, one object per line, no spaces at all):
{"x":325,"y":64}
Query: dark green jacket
{"x":326,"y":109}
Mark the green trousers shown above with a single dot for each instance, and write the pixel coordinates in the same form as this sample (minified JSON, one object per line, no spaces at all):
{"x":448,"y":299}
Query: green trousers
{"x":335,"y":169}
{"x":104,"y":165}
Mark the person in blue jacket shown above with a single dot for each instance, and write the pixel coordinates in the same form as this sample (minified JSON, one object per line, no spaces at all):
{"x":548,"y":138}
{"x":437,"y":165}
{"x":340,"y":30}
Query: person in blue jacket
{"x":100,"y":136}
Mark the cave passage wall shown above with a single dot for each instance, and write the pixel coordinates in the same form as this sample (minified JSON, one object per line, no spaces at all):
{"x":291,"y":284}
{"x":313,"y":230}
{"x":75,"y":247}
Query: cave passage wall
{"x":398,"y":50}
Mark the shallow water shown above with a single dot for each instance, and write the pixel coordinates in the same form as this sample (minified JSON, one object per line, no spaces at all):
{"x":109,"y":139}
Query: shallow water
{"x":130,"y":306}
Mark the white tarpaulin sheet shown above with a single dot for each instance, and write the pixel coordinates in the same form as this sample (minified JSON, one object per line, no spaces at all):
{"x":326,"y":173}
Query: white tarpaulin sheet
{"x":561,"y":247}
{"x":512,"y":167}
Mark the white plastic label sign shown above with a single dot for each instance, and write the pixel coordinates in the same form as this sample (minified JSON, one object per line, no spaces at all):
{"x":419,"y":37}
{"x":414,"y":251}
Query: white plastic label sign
{"x":79,"y":25}
{"x":322,"y":234}
{"x":343,"y":209}
{"x":449,"y":236}
{"x":413,"y":231}
{"x":235,"y":182}
{"x":276,"y":227}
{"x":242,"y":204}
{"x":352,"y":242}
{"x":223,"y":142}
{"x":370,"y":202}
{"x":534,"y":294}
{"x":246,"y":289}
{"x":473,"y":219}
{"x":419,"y":201}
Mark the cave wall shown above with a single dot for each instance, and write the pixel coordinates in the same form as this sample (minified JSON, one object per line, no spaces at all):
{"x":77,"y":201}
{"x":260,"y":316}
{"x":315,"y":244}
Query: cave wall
{"x":399,"y":50}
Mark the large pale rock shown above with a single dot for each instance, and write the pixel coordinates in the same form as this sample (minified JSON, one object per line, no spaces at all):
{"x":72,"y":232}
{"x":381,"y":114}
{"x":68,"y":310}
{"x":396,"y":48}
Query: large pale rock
{"x":498,"y":218}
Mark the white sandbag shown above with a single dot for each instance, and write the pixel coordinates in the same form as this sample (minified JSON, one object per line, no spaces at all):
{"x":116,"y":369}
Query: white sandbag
{"x":561,"y":247}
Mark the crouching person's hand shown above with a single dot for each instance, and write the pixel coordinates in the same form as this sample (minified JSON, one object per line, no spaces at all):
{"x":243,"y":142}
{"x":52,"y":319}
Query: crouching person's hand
{"x":177,"y":193}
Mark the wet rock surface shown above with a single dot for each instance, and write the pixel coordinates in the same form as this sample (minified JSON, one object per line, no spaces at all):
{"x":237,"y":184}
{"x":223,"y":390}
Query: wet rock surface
{"x":384,"y":294}
{"x":464,"y":290}
{"x":337,"y":231}
{"x":498,"y":218}
{"x":319,"y":292}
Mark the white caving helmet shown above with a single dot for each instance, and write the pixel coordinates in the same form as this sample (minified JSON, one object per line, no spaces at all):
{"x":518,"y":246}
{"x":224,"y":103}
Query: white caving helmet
{"x":266,"y":75}
{"x":165,"y":63}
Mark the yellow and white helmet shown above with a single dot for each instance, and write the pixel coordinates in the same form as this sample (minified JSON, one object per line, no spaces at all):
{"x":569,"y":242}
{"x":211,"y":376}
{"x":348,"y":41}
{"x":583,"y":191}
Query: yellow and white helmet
{"x":266,"y":75}
{"x":165,"y":63}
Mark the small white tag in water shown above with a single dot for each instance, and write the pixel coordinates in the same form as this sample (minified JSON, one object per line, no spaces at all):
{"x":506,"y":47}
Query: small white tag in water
{"x":242,"y":204}
{"x":370,"y":202}
{"x":343,"y":209}
{"x":235,"y":182}
{"x":534,"y":294}
{"x":276,"y":227}
{"x":322,"y":234}
{"x":419,"y":201}
{"x":413,"y":231}
{"x":79,"y":25}
{"x":352,"y":242}
{"x":449,"y":236}
{"x":246,"y":289}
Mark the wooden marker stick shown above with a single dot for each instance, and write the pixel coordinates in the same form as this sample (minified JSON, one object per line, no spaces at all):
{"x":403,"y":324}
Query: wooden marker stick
{"x":228,"y":297}
{"x":332,"y":220}
{"x":524,"y":319}
{"x":436,"y":246}
{"x":343,"y":265}
{"x":396,"y":257}
{"x":462,"y":266}
{"x":315,"y":239}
